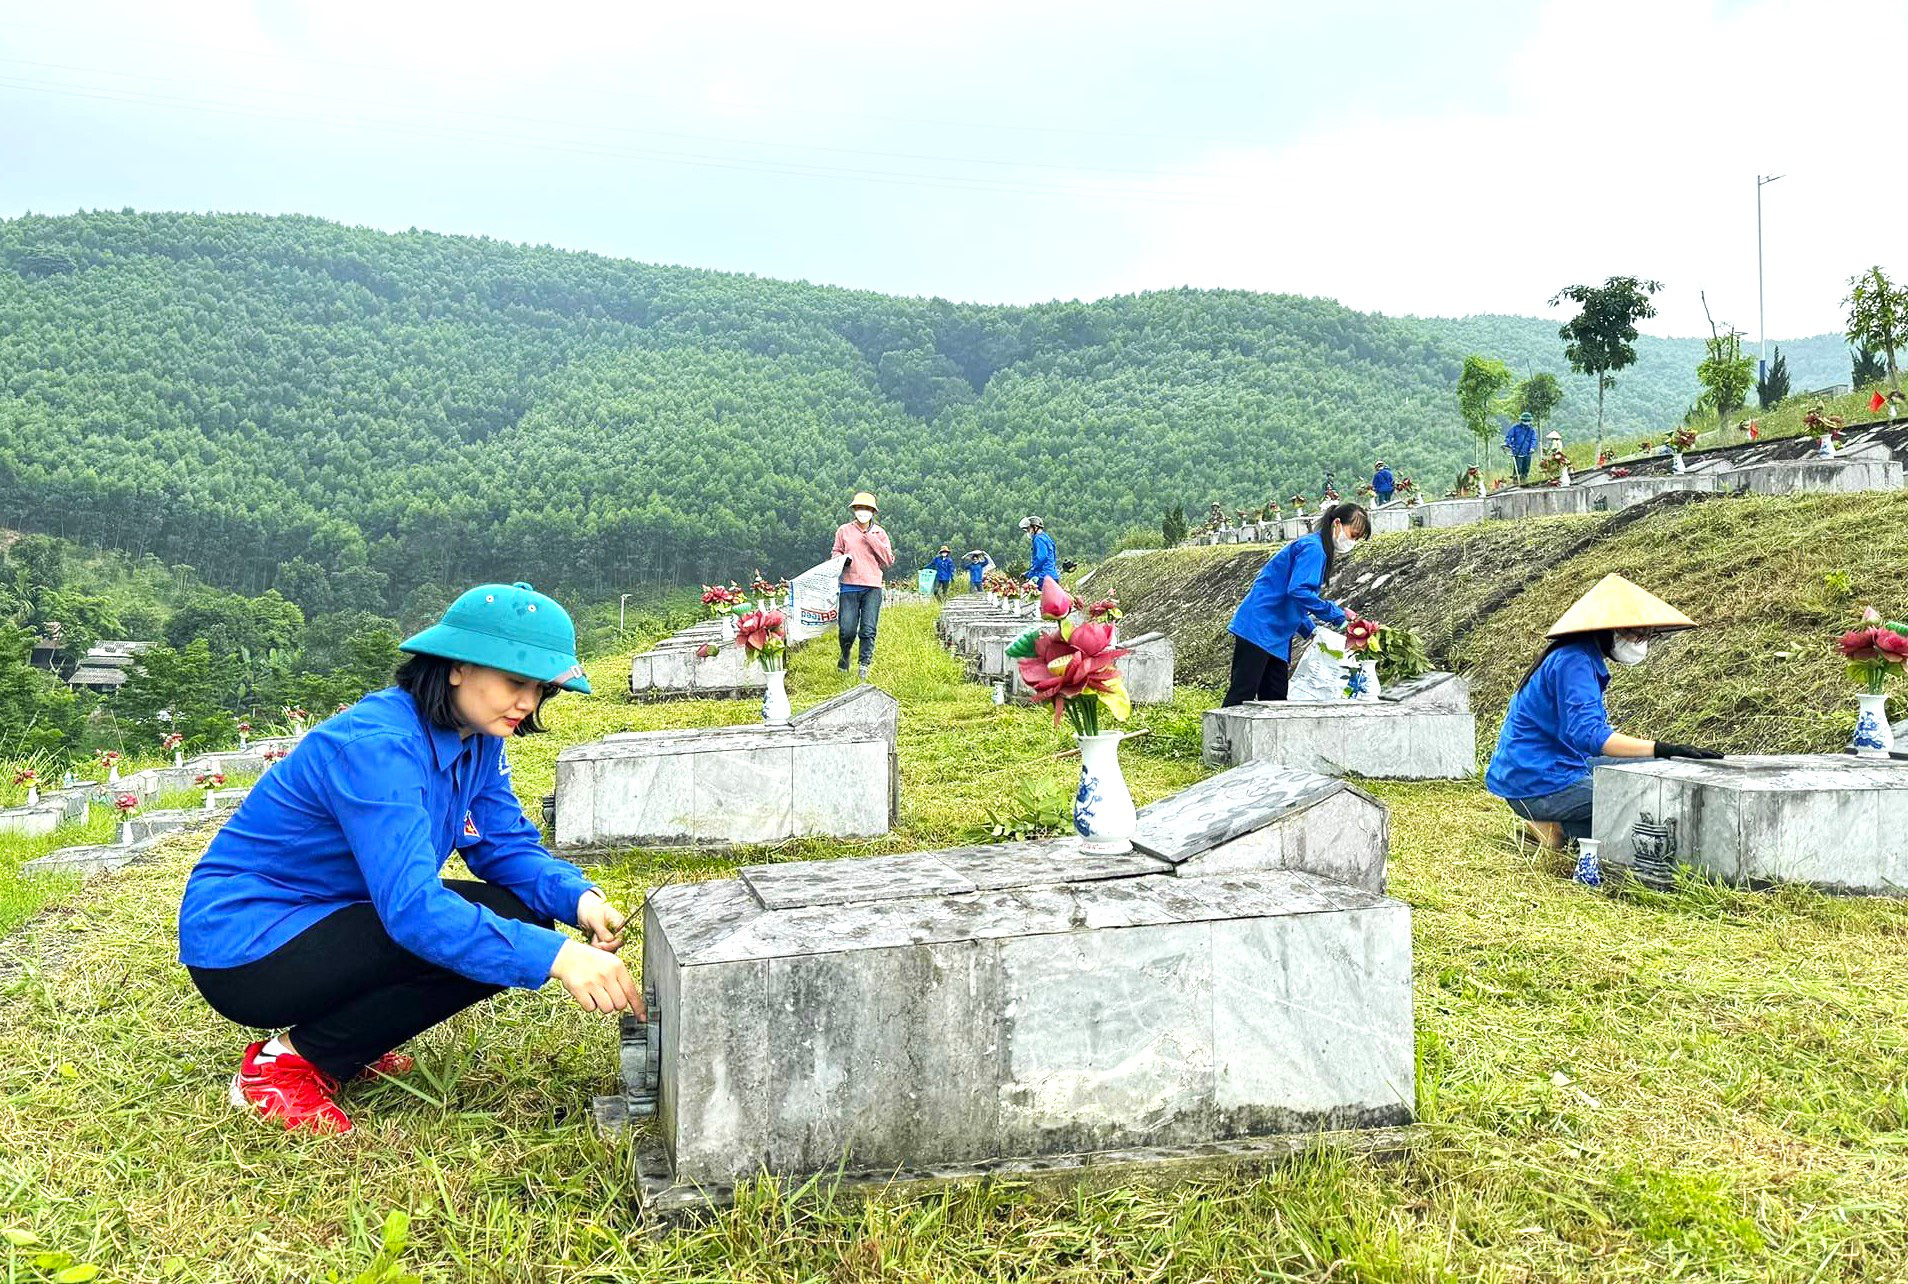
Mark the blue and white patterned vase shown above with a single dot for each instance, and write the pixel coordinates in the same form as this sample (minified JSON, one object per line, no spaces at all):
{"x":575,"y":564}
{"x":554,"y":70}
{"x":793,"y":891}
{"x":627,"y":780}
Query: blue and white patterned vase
{"x":1103,"y":813}
{"x":1589,"y":868}
{"x":1873,"y":736}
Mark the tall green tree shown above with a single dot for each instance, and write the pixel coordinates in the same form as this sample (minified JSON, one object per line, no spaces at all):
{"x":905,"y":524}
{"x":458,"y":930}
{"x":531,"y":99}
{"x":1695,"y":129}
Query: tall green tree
{"x":1599,"y":340}
{"x":1726,"y":373}
{"x":1773,"y":384}
{"x":1865,"y":367}
{"x":1878,"y":316}
{"x":1540,"y":394}
{"x":1172,"y":527}
{"x":1480,"y":390}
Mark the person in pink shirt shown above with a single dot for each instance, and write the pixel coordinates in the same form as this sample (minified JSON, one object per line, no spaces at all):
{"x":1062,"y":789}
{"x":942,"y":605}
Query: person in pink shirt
{"x":869,"y":554}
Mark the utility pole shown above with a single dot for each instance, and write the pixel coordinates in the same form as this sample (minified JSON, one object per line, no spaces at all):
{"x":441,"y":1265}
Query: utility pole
{"x":1762,"y":328}
{"x":622,"y":608}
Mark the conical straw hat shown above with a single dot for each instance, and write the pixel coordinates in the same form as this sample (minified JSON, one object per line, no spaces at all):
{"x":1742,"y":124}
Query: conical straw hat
{"x":1615,"y":603}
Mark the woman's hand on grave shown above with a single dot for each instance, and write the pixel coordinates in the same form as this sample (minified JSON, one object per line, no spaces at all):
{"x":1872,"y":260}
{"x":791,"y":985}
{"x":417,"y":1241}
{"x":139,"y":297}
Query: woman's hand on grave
{"x":1668,"y":749}
{"x":597,"y":980}
{"x":602,"y":920}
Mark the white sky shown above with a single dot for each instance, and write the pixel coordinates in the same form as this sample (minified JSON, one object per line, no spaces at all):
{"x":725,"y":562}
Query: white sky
{"x":1388,"y":155}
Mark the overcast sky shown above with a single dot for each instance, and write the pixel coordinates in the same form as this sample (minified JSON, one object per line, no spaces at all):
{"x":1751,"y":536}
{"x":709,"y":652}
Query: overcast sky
{"x":1399,"y":157}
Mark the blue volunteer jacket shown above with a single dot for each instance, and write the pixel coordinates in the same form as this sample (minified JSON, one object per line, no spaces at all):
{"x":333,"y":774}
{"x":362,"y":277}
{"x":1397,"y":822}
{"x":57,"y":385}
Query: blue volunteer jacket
{"x":1383,"y":482}
{"x":1521,"y":439}
{"x":976,"y":573}
{"x":1284,"y":598}
{"x":1554,"y":726}
{"x":368,"y":808}
{"x":943,"y":569}
{"x":1046,"y":559}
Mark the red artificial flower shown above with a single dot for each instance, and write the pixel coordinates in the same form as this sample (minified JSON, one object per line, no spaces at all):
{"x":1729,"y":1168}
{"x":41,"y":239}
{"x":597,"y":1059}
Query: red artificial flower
{"x":706,"y":650}
{"x":759,"y":628}
{"x":1054,"y":601}
{"x":1359,"y":633}
{"x":1891,"y":645}
{"x":1859,"y":644}
{"x":126,"y":803}
{"x":1062,"y":669}
{"x":26,"y":776}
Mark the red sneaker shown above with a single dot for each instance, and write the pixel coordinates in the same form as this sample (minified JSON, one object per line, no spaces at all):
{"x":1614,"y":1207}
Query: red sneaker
{"x":290,"y":1089}
{"x":388,"y":1066}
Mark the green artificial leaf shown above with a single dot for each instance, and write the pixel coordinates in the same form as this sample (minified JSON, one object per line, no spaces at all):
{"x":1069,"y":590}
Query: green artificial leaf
{"x":1022,"y":647}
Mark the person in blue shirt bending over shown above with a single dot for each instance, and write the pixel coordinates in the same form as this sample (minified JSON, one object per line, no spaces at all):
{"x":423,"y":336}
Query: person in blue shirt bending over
{"x":943,"y":566}
{"x":1284,"y":600}
{"x":1521,"y":441}
{"x":1046,"y":558}
{"x":1557,"y":729}
{"x":1383,"y":484}
{"x":321,"y":910}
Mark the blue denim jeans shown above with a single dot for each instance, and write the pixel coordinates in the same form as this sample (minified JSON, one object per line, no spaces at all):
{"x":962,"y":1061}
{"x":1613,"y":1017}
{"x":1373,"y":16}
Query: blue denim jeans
{"x":1572,"y":806}
{"x":858,"y":615}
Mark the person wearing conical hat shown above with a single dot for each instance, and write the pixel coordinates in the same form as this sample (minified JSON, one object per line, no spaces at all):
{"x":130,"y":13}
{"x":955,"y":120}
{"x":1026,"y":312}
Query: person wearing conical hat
{"x":943,"y":567}
{"x":1521,"y":441}
{"x":321,"y":910}
{"x":869,"y":553}
{"x":1557,"y":727}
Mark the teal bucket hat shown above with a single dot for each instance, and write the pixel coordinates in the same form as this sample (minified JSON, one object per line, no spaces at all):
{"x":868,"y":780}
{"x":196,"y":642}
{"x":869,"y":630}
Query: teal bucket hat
{"x":510,"y":627}
{"x":1524,"y":418}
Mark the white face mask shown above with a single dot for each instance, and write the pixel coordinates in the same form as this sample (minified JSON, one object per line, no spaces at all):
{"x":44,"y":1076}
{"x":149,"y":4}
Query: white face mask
{"x":1627,"y":650}
{"x":1341,"y":542}
{"x":864,"y":515}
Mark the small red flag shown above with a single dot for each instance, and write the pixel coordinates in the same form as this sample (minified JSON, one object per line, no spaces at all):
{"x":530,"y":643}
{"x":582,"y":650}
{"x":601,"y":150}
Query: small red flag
{"x":1877,"y":401}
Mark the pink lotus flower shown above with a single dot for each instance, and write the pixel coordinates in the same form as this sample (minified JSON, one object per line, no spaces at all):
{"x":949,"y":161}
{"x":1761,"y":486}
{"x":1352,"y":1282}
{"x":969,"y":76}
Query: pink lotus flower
{"x":127,"y":803}
{"x":707,"y":651}
{"x":1891,"y":645}
{"x":26,"y":776}
{"x":1054,"y":602}
{"x":1063,"y":669}
{"x":172,"y":741}
{"x":1859,"y":644}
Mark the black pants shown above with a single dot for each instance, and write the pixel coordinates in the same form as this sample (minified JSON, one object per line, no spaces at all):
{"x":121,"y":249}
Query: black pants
{"x":941,"y":587}
{"x":346,"y":990}
{"x":1257,"y":674}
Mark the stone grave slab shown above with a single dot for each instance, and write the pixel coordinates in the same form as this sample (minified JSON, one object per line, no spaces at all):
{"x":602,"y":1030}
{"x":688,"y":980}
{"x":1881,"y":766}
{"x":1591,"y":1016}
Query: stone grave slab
{"x":86,"y":861}
{"x":1423,"y":731}
{"x":1021,"y":1004}
{"x":1840,"y":475}
{"x":673,"y":670}
{"x":1515,"y":503}
{"x":865,"y":708}
{"x":1440,"y":513}
{"x":1836,"y":822}
{"x":1292,"y":528}
{"x":1391,"y":519}
{"x":720,"y":786}
{"x":32,"y":822}
{"x":1618,"y":493}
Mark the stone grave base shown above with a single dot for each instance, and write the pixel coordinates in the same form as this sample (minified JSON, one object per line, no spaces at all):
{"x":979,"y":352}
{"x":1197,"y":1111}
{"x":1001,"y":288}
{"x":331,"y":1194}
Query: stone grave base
{"x":1840,"y":475}
{"x":1420,"y":730}
{"x":86,"y":861}
{"x":1836,"y":822}
{"x":1448,"y":512}
{"x":673,"y":670}
{"x":1391,"y":519}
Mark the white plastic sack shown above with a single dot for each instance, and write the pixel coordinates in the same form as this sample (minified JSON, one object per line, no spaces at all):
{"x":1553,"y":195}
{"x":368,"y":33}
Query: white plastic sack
{"x":1319,"y":678}
{"x":815,"y":600}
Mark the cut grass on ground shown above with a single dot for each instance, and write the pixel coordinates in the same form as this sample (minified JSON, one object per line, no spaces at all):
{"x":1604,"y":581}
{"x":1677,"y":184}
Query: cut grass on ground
{"x":1617,"y":1086}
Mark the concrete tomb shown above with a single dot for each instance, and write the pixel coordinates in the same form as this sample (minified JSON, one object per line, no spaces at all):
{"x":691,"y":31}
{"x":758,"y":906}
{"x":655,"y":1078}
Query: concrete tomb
{"x":1836,"y":822}
{"x":1418,"y":730}
{"x":831,"y":772}
{"x":1239,"y":975}
{"x":674,"y":669}
{"x":1448,"y":512}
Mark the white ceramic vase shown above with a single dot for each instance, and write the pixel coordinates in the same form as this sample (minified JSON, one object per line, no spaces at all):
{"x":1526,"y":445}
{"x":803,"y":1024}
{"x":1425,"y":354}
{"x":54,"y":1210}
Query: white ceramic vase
{"x":1873,"y":736}
{"x":1103,"y":813}
{"x":112,"y":774}
{"x":775,"y":707}
{"x":1563,"y":475}
{"x":178,"y":758}
{"x":125,"y":833}
{"x":1370,"y":669}
{"x":33,"y":796}
{"x":728,"y":628}
{"x":1676,"y":463}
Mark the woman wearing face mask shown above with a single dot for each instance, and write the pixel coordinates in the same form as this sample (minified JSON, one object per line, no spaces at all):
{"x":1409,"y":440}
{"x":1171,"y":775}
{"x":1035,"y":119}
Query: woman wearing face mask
{"x":869,"y":554}
{"x":1284,"y":600}
{"x":321,"y":905}
{"x":1556,"y":728}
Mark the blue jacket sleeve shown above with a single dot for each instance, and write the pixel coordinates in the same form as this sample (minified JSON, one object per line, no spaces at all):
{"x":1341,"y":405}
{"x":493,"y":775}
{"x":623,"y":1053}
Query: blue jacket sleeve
{"x":511,"y":852}
{"x":1582,"y":722}
{"x":1308,"y":576}
{"x":378,"y":793}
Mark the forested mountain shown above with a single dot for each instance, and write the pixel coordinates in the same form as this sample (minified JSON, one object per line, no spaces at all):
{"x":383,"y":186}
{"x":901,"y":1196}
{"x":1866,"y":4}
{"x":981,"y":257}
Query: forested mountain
{"x":350,"y":416}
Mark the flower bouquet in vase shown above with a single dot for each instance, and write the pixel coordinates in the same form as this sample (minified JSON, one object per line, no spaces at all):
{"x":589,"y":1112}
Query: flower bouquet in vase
{"x":273,"y":755}
{"x":723,"y":604}
{"x":1875,"y":651}
{"x":1679,"y":441}
{"x":245,"y":733}
{"x":109,"y":759}
{"x":298,"y":716}
{"x":764,"y":640}
{"x":31,"y":779}
{"x":174,"y":744}
{"x":1074,"y":667}
{"x":126,"y":804}
{"x":209,"y":783}
{"x":1107,"y":611}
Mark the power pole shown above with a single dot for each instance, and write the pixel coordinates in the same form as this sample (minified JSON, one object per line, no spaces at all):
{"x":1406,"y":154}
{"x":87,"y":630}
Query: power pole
{"x":1762,"y":329}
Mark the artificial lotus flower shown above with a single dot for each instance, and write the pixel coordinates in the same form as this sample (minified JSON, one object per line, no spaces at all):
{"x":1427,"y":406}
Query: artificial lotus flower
{"x":761,"y":636}
{"x":1054,"y":602}
{"x":1078,"y":674}
{"x":707,"y":651}
{"x":1360,"y":633}
{"x":127,"y":803}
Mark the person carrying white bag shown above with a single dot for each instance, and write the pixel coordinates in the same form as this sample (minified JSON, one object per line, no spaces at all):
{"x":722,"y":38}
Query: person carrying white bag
{"x":1284,"y":601}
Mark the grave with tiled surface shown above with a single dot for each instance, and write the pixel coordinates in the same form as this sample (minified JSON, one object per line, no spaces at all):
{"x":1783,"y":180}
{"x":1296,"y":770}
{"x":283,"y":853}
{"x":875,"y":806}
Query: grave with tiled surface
{"x":1239,"y":975}
{"x":1422,"y":729}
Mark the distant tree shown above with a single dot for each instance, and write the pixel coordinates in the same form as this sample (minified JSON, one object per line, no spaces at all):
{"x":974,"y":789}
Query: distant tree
{"x":1773,"y":384}
{"x":1540,"y":395}
{"x":1865,"y":366}
{"x":1172,"y":527}
{"x":1726,"y":373}
{"x":1480,"y":388}
{"x":1878,"y":316}
{"x":1597,"y":341}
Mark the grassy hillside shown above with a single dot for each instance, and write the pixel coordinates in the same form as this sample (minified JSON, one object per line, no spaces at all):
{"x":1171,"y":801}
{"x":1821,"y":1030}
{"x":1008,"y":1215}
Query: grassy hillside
{"x":342,"y":413}
{"x":1773,"y":582}
{"x":1617,"y":1086}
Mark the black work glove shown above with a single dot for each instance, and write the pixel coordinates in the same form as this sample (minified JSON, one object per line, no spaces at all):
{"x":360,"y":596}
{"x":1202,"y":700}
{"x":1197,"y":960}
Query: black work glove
{"x":1664,"y":749}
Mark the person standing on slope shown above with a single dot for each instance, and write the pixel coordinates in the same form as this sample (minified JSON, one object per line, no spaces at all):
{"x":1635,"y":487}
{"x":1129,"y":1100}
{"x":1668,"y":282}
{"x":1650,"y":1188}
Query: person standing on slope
{"x":1284,"y":600}
{"x":1521,"y":441}
{"x":321,"y":910}
{"x":1383,"y":484}
{"x":978,"y":564}
{"x":943,"y":565}
{"x":869,"y":553}
{"x":1557,"y":728}
{"x":1045,"y":563}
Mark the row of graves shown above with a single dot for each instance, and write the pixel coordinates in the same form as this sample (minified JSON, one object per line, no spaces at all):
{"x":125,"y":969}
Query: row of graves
{"x":1840,"y":460}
